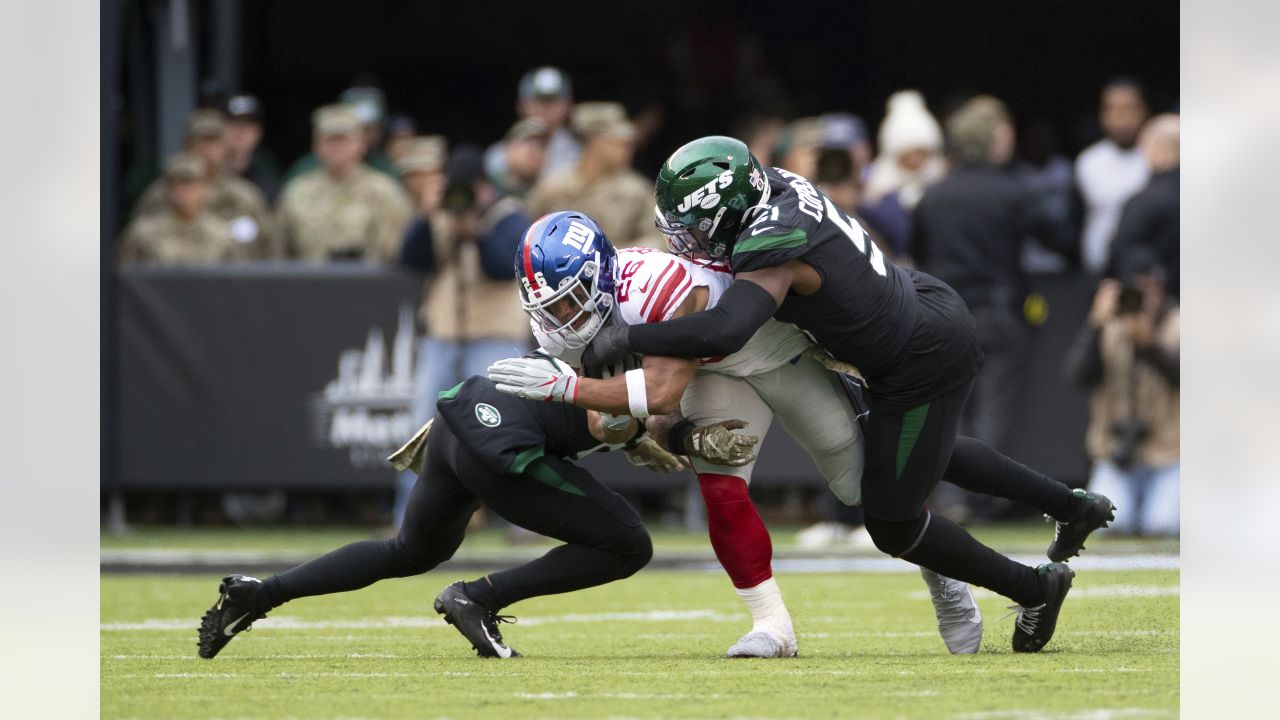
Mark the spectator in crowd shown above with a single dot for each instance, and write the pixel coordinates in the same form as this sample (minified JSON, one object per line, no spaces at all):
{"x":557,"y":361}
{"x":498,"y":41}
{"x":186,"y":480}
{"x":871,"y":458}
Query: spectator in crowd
{"x":401,"y":129}
{"x":1049,"y":176}
{"x":342,"y":210}
{"x":760,"y":132}
{"x":1150,"y":218}
{"x":421,"y":168}
{"x":368,"y":104}
{"x":184,"y":232}
{"x":602,"y":184}
{"x":230,"y":196}
{"x":848,"y":131}
{"x":525,"y":152}
{"x":1112,"y":170}
{"x":798,"y":147}
{"x":467,"y":247}
{"x":546,"y":94}
{"x":1127,"y":355}
{"x":968,"y":232}
{"x":910,"y":160}
{"x":246,"y":156}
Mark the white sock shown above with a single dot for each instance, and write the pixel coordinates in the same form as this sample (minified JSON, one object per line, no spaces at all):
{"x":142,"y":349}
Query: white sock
{"x":766,"y":606}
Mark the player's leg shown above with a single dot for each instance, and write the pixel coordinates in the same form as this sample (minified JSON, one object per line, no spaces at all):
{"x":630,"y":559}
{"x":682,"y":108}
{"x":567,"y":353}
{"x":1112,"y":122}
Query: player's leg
{"x":978,"y":467}
{"x":434,"y":525}
{"x":906,"y":455}
{"x":818,"y":411}
{"x":604,"y":541}
{"x":738,"y":535}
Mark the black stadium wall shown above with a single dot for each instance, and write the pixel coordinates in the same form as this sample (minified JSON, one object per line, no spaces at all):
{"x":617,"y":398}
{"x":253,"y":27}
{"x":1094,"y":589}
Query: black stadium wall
{"x":292,"y":376}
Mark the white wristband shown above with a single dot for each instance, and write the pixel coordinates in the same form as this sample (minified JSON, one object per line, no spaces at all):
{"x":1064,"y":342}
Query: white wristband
{"x":637,"y":395}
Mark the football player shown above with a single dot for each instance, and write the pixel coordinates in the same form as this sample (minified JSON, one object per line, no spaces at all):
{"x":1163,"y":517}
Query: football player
{"x":514,"y":456}
{"x":573,"y":283}
{"x":799,"y":259}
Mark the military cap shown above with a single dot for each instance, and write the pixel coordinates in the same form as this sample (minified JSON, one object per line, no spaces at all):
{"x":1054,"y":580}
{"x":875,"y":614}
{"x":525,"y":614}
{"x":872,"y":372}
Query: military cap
{"x":184,"y":166}
{"x":339,"y":119}
{"x":600,"y":118}
{"x":422,"y":154}
{"x":206,"y":123}
{"x":529,"y":127}
{"x":244,"y":106}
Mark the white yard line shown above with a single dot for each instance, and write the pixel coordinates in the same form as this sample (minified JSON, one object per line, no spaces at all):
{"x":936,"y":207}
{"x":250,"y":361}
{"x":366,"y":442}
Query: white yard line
{"x":285,"y":622}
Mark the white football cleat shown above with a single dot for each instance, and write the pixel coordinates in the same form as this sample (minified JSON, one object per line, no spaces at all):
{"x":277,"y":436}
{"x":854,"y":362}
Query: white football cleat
{"x":959,"y":620}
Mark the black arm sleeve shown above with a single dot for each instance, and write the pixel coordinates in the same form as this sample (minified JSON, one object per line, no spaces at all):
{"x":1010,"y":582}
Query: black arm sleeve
{"x":1084,"y":358}
{"x":722,"y":330}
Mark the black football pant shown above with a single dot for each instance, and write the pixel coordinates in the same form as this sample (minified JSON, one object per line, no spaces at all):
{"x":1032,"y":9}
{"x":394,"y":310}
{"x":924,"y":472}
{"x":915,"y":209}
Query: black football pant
{"x":604,"y":539}
{"x":907,"y":454}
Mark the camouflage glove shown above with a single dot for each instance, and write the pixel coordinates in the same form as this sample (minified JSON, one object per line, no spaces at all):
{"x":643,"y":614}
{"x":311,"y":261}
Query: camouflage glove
{"x":718,"y":444}
{"x":648,"y":454}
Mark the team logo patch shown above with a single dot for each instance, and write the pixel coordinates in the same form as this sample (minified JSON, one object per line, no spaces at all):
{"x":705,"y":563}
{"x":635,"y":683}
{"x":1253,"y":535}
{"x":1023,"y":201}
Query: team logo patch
{"x":488,"y":415}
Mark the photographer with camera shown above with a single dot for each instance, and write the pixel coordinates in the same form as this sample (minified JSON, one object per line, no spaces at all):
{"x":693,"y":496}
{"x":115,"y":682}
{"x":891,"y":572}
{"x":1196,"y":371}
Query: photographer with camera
{"x":463,"y":241}
{"x":1127,"y":354}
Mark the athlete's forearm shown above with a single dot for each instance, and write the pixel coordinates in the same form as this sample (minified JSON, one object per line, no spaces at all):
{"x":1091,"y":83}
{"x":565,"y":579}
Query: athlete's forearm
{"x":722,"y":330}
{"x":665,"y":380}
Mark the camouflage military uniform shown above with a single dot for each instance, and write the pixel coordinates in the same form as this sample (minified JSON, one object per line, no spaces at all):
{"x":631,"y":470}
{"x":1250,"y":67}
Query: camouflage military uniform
{"x":363,"y":216}
{"x":236,"y":201}
{"x":622,"y":204}
{"x":166,"y":239}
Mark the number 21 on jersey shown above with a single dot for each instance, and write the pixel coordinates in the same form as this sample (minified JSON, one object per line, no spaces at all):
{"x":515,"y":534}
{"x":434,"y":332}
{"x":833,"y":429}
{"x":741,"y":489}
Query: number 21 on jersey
{"x":857,"y":235}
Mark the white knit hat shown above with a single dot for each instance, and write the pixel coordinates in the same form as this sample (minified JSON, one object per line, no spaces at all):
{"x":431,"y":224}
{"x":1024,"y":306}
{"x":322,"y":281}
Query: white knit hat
{"x":908,"y":125}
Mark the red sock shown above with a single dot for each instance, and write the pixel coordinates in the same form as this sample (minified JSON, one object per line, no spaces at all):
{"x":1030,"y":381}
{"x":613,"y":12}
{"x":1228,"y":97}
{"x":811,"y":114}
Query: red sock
{"x":738,"y":535}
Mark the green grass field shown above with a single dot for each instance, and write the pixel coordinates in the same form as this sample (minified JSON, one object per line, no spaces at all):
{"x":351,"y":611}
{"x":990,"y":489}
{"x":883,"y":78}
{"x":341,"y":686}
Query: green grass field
{"x":650,"y":646}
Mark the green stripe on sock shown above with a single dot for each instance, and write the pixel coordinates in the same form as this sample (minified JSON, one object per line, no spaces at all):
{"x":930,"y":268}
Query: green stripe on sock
{"x":912,"y":423}
{"x":548,"y":475}
{"x":523,"y":459}
{"x":795,"y":238}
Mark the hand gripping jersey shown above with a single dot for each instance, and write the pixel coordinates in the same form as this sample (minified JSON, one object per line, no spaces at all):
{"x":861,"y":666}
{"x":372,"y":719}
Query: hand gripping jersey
{"x":652,"y":284}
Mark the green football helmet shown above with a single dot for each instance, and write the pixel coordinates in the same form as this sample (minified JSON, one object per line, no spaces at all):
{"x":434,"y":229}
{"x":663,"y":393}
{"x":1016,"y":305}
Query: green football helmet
{"x":704,"y":191}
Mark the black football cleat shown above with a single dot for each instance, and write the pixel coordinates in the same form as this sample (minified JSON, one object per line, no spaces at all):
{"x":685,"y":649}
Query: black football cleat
{"x":235,"y":611}
{"x":1034,"y":626}
{"x":1096,"y":511}
{"x":478,"y":625}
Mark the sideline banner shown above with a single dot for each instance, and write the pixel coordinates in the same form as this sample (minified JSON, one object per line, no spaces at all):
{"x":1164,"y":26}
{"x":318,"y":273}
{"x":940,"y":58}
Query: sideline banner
{"x":296,"y":376}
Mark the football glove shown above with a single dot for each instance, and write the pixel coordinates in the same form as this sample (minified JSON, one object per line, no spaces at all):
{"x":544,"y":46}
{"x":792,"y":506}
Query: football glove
{"x":648,"y":454}
{"x":719,"y":445}
{"x":536,"y":376}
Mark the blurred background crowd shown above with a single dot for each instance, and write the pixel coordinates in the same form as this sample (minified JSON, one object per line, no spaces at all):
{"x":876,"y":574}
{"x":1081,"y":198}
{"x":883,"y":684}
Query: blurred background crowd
{"x":958,"y":169}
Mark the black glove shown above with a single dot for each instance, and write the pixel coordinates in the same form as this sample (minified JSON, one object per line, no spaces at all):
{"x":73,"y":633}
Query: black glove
{"x":610,"y":346}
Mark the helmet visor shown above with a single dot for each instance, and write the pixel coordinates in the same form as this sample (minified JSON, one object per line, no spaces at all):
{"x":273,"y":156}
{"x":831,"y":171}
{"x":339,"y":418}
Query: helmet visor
{"x":685,"y":240}
{"x":574,"y":314}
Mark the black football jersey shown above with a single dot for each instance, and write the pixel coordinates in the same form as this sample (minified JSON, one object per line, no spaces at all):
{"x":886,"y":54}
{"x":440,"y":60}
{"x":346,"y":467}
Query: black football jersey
{"x":866,"y":309}
{"x":506,"y":433}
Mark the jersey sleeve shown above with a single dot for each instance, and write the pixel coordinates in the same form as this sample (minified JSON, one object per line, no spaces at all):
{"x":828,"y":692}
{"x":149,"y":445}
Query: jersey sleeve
{"x":652,"y":284}
{"x":774,"y":245}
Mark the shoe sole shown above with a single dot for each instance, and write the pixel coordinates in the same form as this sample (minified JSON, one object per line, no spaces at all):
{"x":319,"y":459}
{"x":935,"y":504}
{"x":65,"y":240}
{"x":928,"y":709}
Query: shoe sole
{"x":1106,"y":523}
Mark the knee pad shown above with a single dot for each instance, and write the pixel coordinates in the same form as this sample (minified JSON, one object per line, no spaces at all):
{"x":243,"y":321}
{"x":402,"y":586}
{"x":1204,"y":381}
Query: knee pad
{"x":896,"y":537}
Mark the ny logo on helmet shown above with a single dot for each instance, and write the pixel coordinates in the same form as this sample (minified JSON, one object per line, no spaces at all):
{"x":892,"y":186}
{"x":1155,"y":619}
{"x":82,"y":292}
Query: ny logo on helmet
{"x":706,"y":196}
{"x":578,"y":236}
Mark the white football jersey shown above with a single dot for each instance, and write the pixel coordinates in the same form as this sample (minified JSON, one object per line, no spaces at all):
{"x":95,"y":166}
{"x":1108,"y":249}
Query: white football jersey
{"x":652,"y":284}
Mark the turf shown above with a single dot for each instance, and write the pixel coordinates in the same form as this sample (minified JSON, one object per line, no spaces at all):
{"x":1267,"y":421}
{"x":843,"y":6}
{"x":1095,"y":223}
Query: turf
{"x":650,"y":646}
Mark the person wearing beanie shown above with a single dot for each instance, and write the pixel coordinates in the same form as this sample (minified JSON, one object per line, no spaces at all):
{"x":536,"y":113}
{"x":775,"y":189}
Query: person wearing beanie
{"x":910,"y":160}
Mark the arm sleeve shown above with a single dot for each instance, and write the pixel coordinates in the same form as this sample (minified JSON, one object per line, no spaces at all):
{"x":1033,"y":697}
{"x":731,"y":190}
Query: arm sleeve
{"x":718,"y":331}
{"x":1084,"y":358}
{"x":498,"y":246}
{"x":417,"y":252}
